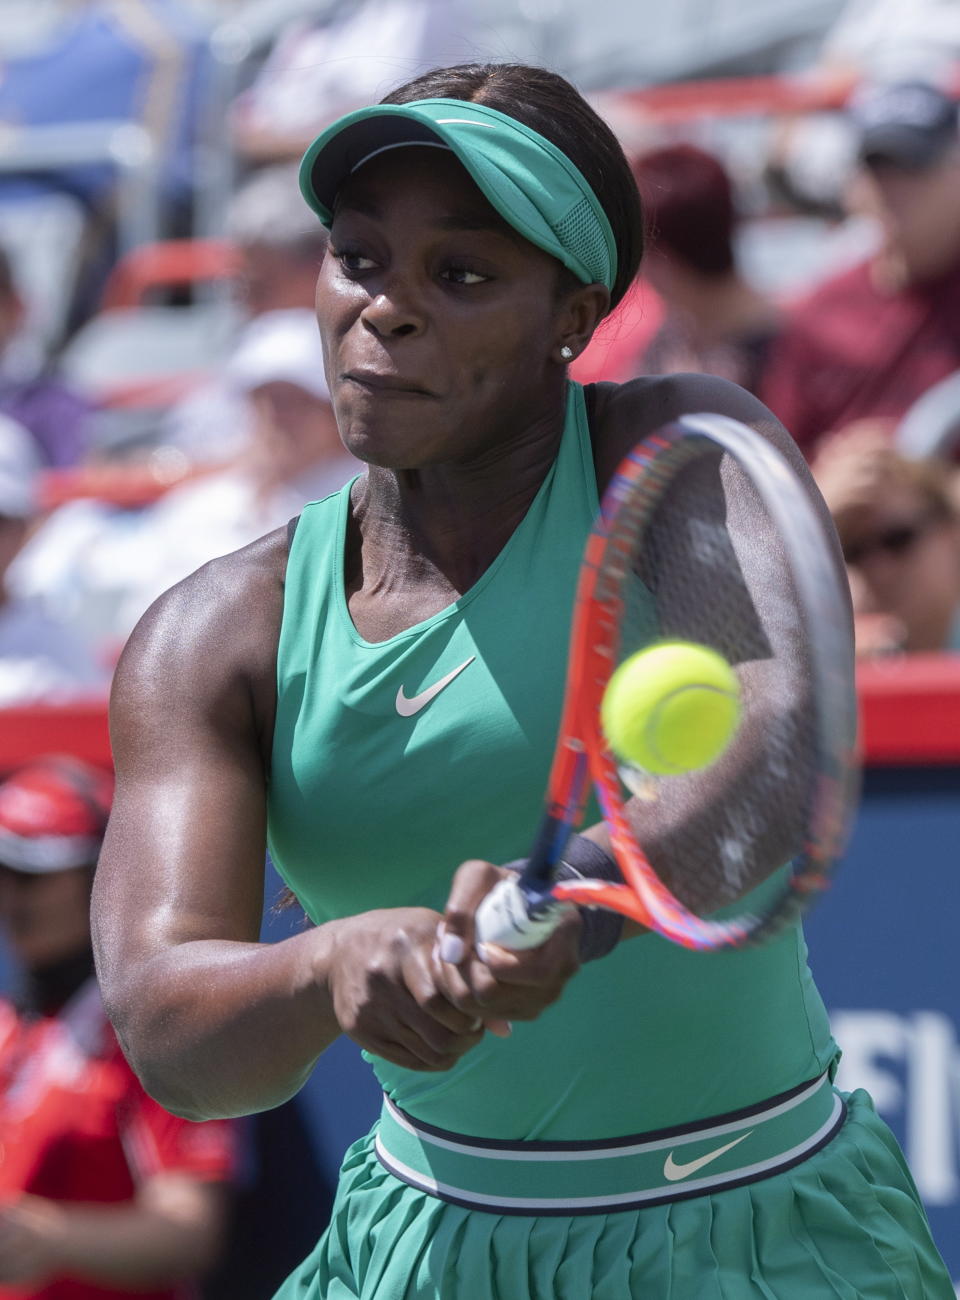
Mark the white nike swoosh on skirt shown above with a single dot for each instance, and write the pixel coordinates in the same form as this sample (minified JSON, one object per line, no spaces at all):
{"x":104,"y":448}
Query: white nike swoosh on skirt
{"x":673,"y":1171}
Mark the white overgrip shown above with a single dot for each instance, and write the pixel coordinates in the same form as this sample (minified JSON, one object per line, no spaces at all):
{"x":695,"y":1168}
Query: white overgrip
{"x":502,"y":918}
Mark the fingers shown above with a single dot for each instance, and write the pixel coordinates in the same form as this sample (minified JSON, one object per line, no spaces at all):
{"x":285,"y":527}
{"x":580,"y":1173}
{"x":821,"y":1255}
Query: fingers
{"x":416,"y":1045}
{"x":471,"y":884}
{"x":412,"y":1038}
{"x":493,"y":982}
{"x":387,"y":995}
{"x":472,"y":990}
{"x":410,"y":987}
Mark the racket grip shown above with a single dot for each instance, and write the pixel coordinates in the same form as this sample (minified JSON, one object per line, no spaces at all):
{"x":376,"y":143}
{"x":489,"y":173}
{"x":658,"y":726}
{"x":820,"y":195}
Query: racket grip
{"x":503,"y":918}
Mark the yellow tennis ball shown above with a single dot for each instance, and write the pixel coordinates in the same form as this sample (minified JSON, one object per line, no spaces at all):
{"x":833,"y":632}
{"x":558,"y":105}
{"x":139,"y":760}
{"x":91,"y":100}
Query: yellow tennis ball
{"x":671,"y":708}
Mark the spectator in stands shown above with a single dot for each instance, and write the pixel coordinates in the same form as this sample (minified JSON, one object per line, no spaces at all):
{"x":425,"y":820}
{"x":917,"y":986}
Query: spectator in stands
{"x":715,"y":322}
{"x":320,"y":68}
{"x":869,"y":41}
{"x":891,"y":40}
{"x":100,"y":63}
{"x":899,"y":526}
{"x":142,"y":61}
{"x":294,"y":455}
{"x":869,"y":340}
{"x":280,"y":251}
{"x":103,"y":569}
{"x":56,"y":415}
{"x":41,"y":658}
{"x":102,"y":1193}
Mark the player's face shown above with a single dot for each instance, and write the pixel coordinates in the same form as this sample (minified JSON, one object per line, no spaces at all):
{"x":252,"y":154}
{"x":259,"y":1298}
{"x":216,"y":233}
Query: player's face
{"x":440,"y":323}
{"x":45,"y":916}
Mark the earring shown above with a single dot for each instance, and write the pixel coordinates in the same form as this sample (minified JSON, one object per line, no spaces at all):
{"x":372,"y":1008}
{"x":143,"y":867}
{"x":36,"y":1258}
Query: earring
{"x":566,"y":353}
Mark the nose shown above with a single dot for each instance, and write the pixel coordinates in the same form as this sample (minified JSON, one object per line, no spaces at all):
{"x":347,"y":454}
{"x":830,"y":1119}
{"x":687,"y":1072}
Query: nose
{"x":394,"y":312}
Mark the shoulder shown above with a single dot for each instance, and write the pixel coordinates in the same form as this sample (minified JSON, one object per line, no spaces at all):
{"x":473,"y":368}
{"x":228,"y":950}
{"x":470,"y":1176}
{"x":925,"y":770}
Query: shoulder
{"x":625,"y":413}
{"x":224,"y":597}
{"x":209,"y":644}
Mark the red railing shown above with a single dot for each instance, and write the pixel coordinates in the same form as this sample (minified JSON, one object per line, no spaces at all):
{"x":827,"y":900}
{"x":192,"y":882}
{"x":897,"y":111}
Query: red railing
{"x":762,"y":96}
{"x":910,"y":710}
{"x":78,"y":728}
{"x":172,"y":263}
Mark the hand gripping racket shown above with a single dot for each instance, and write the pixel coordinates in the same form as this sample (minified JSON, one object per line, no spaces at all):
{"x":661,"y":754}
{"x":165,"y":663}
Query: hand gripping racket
{"x":660,"y":562}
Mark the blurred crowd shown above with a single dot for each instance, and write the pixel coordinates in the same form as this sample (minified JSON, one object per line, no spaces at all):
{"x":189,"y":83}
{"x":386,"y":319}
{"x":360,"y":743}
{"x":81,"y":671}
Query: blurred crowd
{"x":163,"y":401}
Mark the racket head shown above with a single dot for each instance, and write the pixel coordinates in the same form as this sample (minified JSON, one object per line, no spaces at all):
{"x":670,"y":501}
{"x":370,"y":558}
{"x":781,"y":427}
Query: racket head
{"x":652,"y":536}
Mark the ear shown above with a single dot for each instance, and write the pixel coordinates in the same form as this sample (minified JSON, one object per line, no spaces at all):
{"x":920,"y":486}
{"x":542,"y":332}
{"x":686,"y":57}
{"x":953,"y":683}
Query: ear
{"x":579,"y":313}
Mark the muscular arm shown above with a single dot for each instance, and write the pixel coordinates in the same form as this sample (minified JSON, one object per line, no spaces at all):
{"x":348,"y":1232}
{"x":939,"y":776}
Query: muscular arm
{"x":214,"y":1022}
{"x":700,"y":825}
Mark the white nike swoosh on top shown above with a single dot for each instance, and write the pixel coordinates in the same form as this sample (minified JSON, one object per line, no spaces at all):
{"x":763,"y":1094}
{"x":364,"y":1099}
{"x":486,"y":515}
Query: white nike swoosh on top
{"x":407,"y":708}
{"x":673,"y":1171}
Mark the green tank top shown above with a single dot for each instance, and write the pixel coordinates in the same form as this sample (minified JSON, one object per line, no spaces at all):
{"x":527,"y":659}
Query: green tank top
{"x":394,"y":762}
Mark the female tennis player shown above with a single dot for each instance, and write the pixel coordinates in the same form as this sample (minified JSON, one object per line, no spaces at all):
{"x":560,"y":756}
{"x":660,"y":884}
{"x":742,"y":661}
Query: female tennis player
{"x":375,"y":693}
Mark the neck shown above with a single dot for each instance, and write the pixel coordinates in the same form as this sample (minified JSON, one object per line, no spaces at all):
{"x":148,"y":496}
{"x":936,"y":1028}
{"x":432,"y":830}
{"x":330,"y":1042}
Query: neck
{"x":451,"y":520}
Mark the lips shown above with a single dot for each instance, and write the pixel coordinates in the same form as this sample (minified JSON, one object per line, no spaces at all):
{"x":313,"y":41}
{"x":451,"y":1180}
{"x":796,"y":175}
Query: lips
{"x":384,"y":382}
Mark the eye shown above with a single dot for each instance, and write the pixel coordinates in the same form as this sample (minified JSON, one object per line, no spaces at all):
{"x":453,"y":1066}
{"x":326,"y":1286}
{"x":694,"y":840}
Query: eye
{"x":458,"y":274}
{"x":352,"y":261}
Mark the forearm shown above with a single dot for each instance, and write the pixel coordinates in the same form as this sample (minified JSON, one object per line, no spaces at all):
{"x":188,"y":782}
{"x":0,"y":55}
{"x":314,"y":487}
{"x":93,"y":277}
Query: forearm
{"x":217,"y":1028}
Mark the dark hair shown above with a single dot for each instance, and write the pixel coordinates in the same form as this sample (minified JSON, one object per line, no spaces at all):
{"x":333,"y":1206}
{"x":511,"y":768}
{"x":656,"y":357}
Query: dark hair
{"x":688,"y":199}
{"x":550,"y":105}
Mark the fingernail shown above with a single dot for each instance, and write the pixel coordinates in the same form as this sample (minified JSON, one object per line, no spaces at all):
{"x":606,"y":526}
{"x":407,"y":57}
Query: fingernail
{"x":483,"y":952}
{"x":451,"y":948}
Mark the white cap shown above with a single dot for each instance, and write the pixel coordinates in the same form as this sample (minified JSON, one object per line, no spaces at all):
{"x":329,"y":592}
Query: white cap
{"x":284,"y":346}
{"x":20,"y":465}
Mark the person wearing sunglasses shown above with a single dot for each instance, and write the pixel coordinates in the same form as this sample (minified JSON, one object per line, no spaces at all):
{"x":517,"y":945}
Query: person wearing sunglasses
{"x":899,"y":526}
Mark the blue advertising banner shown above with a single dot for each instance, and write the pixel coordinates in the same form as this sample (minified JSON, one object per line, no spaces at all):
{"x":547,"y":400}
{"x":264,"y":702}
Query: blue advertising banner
{"x":884,"y":951}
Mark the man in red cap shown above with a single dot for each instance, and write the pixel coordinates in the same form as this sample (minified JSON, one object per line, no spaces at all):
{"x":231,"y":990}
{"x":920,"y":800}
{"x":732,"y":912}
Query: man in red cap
{"x":102,"y":1192}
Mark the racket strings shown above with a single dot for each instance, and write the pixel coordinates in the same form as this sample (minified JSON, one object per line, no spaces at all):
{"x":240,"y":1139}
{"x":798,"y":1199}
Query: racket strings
{"x":689,"y":580}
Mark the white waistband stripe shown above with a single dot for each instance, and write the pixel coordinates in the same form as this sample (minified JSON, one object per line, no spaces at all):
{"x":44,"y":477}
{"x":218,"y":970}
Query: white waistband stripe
{"x":601,"y":1153}
{"x":668,"y":1191}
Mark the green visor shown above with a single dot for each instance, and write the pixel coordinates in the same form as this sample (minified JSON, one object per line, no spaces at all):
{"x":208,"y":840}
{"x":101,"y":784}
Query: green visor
{"x":531,"y":183}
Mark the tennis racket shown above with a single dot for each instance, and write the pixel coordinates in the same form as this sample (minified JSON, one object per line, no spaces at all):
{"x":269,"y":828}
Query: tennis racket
{"x":661,"y":563}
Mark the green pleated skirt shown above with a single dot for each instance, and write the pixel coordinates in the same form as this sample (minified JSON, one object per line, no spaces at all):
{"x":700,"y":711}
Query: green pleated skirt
{"x":846,"y":1223}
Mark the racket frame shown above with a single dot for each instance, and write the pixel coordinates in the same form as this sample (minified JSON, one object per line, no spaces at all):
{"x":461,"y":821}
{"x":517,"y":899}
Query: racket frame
{"x":582,"y":757}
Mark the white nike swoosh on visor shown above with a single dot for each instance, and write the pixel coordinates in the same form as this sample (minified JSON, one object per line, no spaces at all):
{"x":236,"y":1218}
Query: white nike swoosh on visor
{"x":673,"y":1171}
{"x":407,"y":708}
